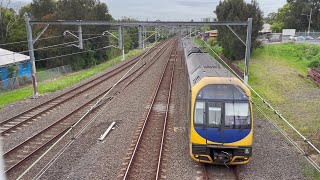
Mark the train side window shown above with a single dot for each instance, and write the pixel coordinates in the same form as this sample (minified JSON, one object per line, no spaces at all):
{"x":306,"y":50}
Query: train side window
{"x":215,"y":113}
{"x":199,"y":113}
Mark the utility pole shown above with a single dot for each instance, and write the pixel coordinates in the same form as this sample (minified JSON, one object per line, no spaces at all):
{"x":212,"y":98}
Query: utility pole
{"x":80,"y":37}
{"x":31,"y":54}
{"x":155,"y":34}
{"x":310,"y":17}
{"x":180,"y":41}
{"x":121,"y":46}
{"x":248,"y":49}
{"x":309,"y":22}
{"x":140,"y":36}
{"x":143,"y":36}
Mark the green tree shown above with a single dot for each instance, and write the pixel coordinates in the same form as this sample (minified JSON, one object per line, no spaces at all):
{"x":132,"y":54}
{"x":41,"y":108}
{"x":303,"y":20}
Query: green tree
{"x":291,"y":15}
{"x":41,"y":8}
{"x":300,"y":22}
{"x":8,"y":19}
{"x":12,"y":29}
{"x":205,"y":28}
{"x":237,"y":10}
{"x":280,"y":19}
{"x":71,"y":10}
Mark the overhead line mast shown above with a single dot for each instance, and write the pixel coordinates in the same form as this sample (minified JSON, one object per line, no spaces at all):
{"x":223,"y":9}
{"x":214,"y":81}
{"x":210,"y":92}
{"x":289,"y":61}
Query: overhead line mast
{"x":141,"y":26}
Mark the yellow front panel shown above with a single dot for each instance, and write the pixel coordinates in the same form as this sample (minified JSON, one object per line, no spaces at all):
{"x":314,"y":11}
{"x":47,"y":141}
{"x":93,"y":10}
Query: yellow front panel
{"x":194,"y":136}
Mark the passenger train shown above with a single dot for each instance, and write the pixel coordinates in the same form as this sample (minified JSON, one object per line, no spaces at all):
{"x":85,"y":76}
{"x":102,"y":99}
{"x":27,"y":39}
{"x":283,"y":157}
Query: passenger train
{"x":219,"y":109}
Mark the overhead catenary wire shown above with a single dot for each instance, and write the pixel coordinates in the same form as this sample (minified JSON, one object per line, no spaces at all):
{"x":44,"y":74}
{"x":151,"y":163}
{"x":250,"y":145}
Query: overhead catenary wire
{"x":75,"y":124}
{"x":64,"y":55}
{"x":19,"y":42}
{"x":53,"y":46}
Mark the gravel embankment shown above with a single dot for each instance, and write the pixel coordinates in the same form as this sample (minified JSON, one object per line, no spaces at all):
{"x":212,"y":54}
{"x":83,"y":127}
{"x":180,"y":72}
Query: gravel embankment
{"x":87,"y":158}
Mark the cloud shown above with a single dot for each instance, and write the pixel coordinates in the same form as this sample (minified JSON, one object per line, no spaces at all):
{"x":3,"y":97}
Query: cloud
{"x":194,"y":3}
{"x":180,"y":10}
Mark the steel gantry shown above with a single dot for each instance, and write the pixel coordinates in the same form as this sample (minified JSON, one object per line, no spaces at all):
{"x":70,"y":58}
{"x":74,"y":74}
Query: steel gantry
{"x":142,"y":26}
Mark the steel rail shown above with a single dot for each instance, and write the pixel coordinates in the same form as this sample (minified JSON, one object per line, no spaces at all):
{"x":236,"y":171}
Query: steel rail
{"x":85,"y":126}
{"x":166,"y":116}
{"x":146,"y":120}
{"x":44,"y":131}
{"x":90,"y":84}
{"x":20,"y":146}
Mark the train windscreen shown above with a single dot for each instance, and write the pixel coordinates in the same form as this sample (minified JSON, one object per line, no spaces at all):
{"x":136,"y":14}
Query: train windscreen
{"x":222,"y":106}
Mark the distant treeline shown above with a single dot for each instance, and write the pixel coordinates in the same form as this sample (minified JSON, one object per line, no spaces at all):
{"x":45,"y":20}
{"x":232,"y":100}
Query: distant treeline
{"x":12,"y":29}
{"x":295,"y":15}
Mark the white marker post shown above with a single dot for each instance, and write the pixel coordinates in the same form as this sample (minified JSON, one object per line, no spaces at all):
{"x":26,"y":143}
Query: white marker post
{"x":107,"y":131}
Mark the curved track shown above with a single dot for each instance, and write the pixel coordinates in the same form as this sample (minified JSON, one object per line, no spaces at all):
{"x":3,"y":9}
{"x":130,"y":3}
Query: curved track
{"x":33,"y":145}
{"x":15,"y":123}
{"x":146,"y":155}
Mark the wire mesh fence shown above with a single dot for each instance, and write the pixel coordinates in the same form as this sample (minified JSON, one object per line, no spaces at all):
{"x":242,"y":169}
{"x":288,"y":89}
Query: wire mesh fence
{"x":53,"y":73}
{"x":313,"y":34}
{"x":20,"y":81}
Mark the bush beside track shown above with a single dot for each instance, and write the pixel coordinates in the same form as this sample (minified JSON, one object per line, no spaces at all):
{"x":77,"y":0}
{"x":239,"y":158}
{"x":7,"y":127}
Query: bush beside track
{"x":60,"y":83}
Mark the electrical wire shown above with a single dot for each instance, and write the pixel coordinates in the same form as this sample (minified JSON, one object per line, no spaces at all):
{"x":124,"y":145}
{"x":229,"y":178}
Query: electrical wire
{"x":18,"y":42}
{"x":53,"y":46}
{"x":45,"y":59}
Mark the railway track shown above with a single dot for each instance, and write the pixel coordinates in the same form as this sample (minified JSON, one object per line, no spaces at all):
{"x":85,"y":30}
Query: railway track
{"x":25,"y":118}
{"x":210,"y":172}
{"x":145,"y":157}
{"x":32,"y":147}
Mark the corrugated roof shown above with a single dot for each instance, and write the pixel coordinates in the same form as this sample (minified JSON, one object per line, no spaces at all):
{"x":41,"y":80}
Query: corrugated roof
{"x":10,"y":57}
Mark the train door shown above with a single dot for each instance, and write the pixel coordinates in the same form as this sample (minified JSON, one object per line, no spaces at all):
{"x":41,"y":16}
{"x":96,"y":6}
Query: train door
{"x":215,"y":123}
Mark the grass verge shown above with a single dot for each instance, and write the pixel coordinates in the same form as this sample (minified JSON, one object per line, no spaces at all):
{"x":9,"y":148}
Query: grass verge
{"x":60,"y":83}
{"x":278,"y":73}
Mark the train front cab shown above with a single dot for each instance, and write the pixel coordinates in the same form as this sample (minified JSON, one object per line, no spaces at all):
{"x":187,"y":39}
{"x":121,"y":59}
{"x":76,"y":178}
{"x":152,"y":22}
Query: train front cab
{"x":221,"y":122}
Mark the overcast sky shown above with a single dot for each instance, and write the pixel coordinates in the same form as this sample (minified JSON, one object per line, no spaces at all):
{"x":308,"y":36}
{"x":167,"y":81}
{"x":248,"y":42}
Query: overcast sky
{"x":180,"y":10}
{"x":175,"y":9}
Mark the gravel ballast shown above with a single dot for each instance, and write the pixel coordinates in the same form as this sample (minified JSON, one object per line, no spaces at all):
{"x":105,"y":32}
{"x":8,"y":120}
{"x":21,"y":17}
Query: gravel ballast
{"x":56,"y":113}
{"x":88,"y":158}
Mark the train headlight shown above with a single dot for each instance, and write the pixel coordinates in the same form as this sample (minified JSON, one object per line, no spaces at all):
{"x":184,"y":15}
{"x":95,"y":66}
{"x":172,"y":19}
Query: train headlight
{"x":246,"y":151}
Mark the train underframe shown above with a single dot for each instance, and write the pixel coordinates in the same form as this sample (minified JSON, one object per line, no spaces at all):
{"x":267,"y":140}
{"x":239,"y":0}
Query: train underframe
{"x":221,"y":155}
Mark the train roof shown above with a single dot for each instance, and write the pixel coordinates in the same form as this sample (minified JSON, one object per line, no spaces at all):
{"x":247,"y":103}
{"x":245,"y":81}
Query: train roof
{"x":202,"y":65}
